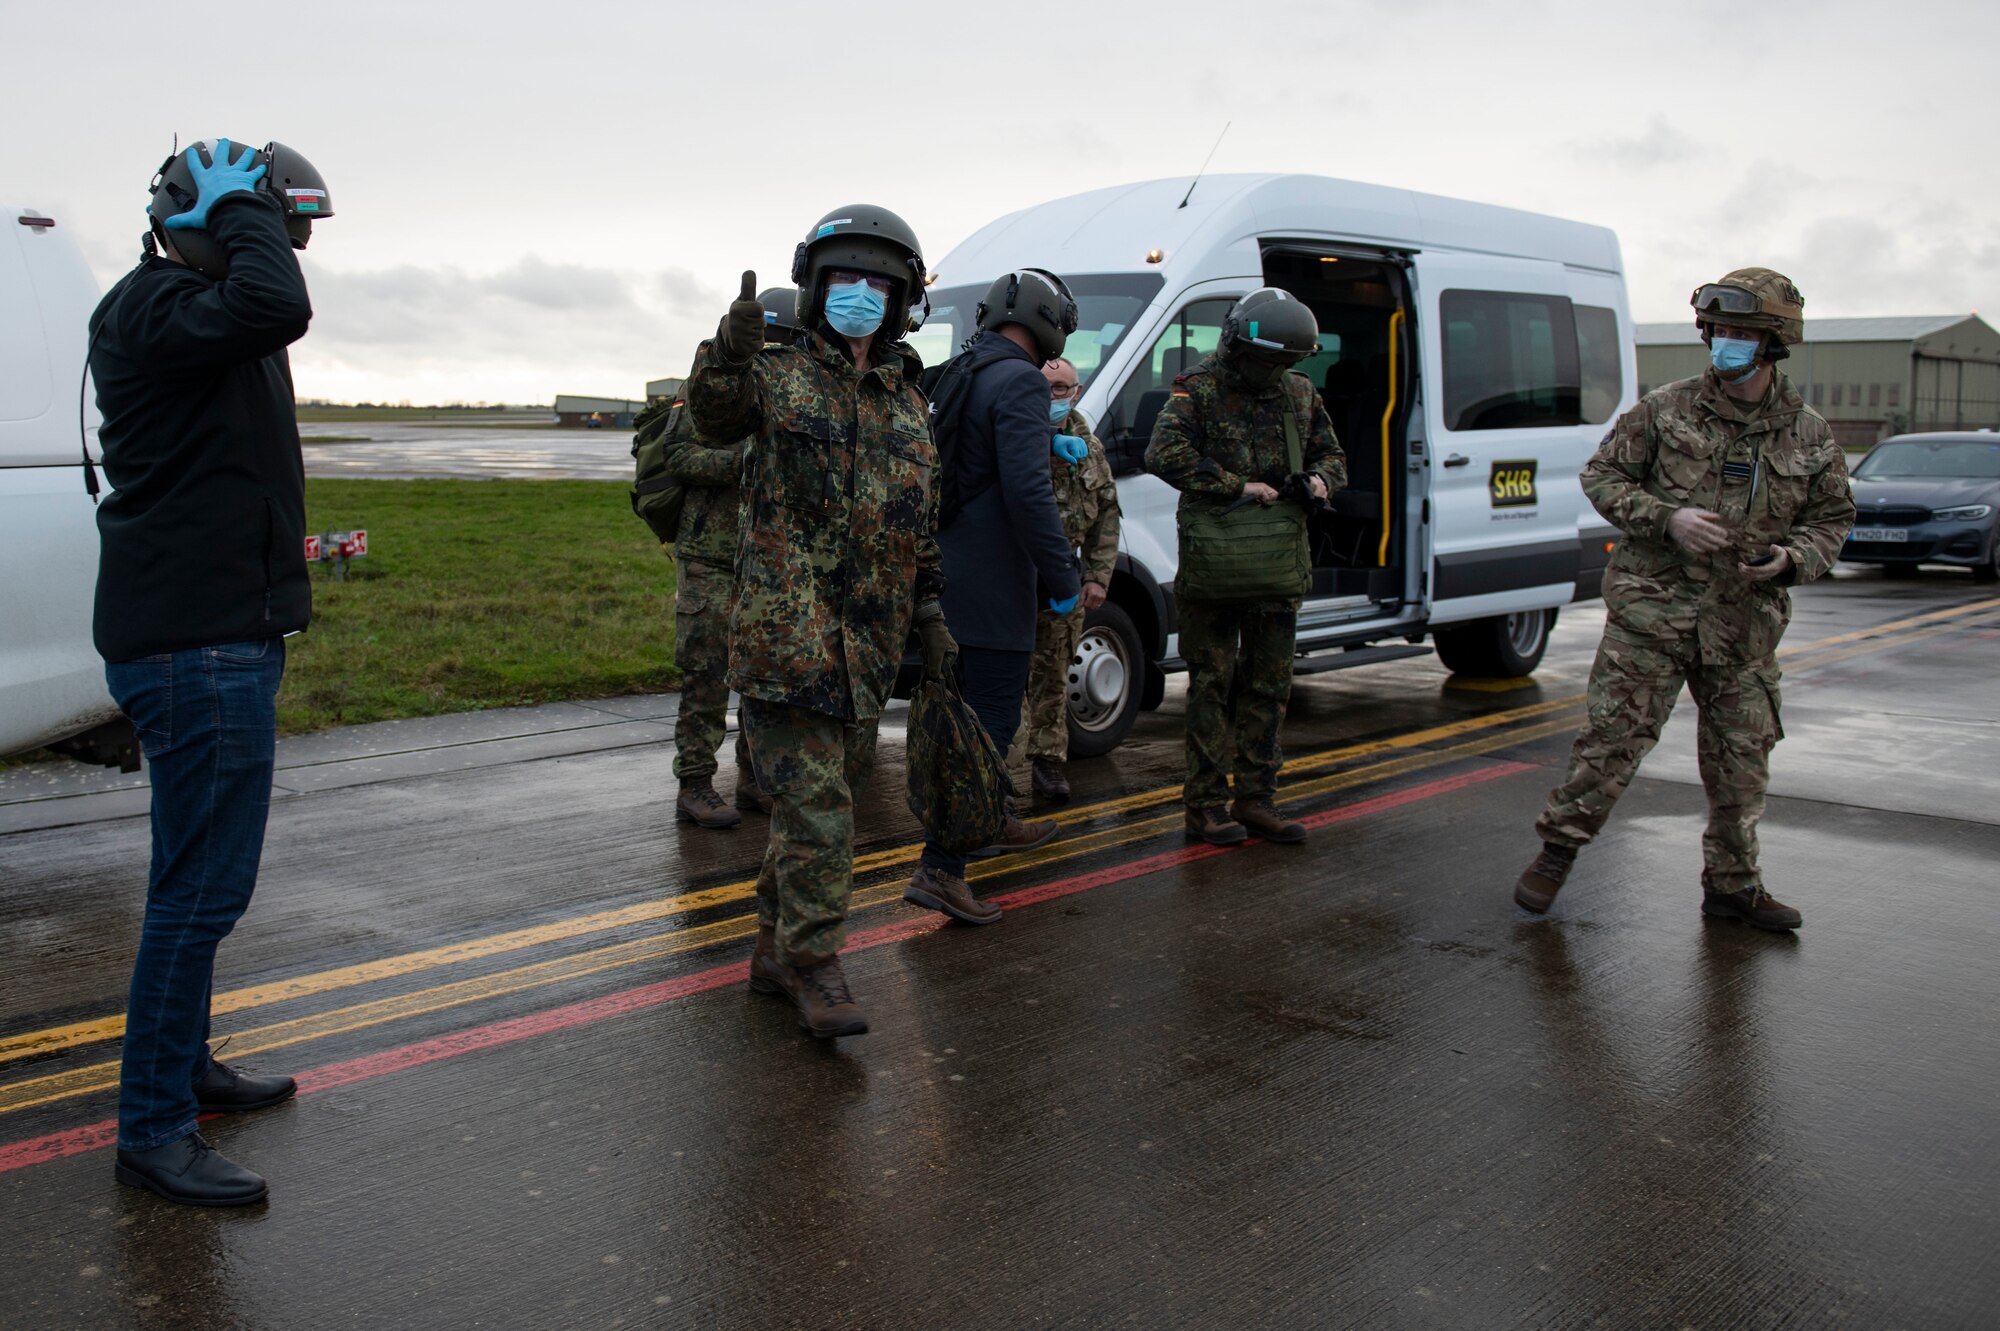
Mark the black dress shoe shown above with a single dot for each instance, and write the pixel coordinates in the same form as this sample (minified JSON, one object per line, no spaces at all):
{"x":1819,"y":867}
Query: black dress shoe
{"x":224,"y":1089}
{"x":190,"y":1172}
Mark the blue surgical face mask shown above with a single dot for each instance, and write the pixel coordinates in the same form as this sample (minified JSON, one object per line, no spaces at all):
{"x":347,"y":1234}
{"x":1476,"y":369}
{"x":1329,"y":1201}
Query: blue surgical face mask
{"x":1734,"y":357}
{"x":1058,"y":409}
{"x":855,"y":309}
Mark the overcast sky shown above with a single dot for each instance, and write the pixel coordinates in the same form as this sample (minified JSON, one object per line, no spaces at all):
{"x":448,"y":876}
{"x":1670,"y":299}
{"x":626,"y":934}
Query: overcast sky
{"x":543,"y":198}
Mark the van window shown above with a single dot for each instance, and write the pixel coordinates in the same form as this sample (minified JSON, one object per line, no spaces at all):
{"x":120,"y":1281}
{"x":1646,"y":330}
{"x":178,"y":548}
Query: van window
{"x":1598,"y":362}
{"x":1127,"y":427}
{"x":1510,"y":361}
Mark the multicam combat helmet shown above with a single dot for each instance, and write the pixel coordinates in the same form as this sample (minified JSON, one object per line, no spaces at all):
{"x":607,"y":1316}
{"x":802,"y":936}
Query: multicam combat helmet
{"x":1754,"y":298}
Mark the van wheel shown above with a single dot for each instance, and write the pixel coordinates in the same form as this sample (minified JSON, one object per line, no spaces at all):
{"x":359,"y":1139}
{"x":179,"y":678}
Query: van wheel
{"x":1503,"y":647}
{"x":1106,"y":677}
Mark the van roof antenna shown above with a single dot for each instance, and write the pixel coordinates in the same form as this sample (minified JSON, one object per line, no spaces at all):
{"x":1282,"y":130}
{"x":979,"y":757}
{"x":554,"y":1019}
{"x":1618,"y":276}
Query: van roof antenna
{"x":1204,"y":165}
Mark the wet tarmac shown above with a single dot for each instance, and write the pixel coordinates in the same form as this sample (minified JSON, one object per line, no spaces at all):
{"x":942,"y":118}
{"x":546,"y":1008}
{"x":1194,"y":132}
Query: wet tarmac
{"x":375,"y":450}
{"x":1344,"y":1084}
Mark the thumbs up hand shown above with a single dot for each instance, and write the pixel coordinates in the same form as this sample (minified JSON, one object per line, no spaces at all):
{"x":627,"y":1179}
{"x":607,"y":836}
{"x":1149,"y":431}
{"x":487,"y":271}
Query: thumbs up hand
{"x":741,"y":332}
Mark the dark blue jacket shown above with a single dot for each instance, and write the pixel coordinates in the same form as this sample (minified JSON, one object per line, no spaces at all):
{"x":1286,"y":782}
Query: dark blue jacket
{"x":1009,"y":537}
{"x":203,"y":535}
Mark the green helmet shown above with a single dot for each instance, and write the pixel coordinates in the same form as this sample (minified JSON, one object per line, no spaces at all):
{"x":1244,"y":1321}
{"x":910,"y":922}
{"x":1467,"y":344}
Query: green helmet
{"x":1270,"y":325}
{"x":293,"y":181}
{"x":860,"y":238}
{"x":1753,"y":298}
{"x":1038,"y":301}
{"x":781,"y":313}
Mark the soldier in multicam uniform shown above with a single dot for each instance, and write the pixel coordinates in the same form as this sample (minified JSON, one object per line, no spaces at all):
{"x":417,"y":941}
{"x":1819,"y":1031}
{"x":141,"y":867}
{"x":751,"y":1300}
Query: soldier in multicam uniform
{"x":1221,"y":436}
{"x":838,"y":559}
{"x":705,"y":549}
{"x":1087,"y":499}
{"x":1729,"y":490}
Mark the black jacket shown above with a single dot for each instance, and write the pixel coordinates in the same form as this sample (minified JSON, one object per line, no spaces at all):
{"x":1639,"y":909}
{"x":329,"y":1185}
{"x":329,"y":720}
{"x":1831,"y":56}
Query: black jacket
{"x":1009,"y":536}
{"x":204,"y":535}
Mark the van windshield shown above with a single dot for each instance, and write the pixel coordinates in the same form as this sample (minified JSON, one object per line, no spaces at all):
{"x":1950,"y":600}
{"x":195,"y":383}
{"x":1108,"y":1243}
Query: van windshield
{"x":1107,"y":305}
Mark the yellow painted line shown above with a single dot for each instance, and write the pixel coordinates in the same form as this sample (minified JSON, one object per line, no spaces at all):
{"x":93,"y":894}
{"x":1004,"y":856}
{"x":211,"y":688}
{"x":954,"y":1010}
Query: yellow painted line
{"x":1488,"y":685}
{"x":30,"y":1092}
{"x":29,"y":1043}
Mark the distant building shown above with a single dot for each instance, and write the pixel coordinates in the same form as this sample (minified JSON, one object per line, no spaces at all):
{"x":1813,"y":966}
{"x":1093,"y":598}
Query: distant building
{"x":1870,"y":378}
{"x":610,"y":412}
{"x":659,"y":390}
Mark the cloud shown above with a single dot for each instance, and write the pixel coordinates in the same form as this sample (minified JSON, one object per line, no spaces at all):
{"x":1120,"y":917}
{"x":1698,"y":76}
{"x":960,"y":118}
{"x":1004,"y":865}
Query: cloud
{"x":1658,"y":144}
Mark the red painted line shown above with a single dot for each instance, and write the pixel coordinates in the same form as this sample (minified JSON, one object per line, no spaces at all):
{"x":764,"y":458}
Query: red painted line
{"x":76,"y":1141}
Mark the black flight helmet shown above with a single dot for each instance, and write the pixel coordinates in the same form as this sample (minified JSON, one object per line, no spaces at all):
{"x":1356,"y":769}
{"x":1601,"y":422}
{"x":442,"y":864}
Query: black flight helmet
{"x":290,"y":179}
{"x":1270,"y":325}
{"x":861,"y":238}
{"x":781,"y":314}
{"x":1038,"y":301}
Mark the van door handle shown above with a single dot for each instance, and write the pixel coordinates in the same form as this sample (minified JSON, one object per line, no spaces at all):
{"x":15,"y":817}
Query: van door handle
{"x":1457,"y":460}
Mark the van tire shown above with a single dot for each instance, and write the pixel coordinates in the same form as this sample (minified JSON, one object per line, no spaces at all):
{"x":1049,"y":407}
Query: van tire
{"x":1106,"y":680}
{"x":1502,"y":647}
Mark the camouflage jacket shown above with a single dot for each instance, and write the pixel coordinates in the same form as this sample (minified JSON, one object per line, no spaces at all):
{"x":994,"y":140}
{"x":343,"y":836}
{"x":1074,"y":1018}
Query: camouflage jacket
{"x":1216,"y":433}
{"x":1087,"y":498}
{"x":1770,"y":469}
{"x":840,"y":519}
{"x":711,"y":517}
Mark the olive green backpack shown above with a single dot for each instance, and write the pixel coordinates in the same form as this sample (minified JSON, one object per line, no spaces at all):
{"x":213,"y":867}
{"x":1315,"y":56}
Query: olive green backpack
{"x":657,"y":498}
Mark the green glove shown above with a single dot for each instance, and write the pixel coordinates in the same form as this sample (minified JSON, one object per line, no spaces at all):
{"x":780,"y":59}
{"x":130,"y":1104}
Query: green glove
{"x":741,"y":331}
{"x":939,"y":648}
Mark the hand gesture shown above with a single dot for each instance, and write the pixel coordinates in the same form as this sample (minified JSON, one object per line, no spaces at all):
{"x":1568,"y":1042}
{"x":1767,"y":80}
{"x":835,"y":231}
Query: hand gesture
{"x":218,"y":177}
{"x":741,"y":332}
{"x":1697,"y":530}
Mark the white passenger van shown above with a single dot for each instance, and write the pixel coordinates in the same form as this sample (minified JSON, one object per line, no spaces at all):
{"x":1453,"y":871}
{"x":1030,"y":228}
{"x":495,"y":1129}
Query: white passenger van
{"x":1471,"y":358}
{"x":51,"y":680}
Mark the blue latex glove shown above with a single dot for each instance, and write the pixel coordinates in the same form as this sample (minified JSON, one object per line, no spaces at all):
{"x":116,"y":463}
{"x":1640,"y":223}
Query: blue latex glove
{"x":1064,"y":606}
{"x":1069,"y":448}
{"x":213,"y":181}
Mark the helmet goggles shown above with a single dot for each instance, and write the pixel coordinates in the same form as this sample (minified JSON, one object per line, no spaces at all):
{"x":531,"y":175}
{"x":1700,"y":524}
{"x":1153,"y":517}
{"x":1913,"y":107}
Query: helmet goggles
{"x":1715,"y":298}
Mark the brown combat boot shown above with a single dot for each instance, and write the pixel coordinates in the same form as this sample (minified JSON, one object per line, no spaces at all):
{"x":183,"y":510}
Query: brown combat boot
{"x":1262,"y":817}
{"x":768,"y":975}
{"x":1018,"y":835}
{"x":933,"y":889}
{"x":1753,"y":905}
{"x":1215,"y":826}
{"x":1051,"y":786}
{"x":700,"y":805}
{"x":1536,"y":891}
{"x":826,"y":1008}
{"x":750,"y":797}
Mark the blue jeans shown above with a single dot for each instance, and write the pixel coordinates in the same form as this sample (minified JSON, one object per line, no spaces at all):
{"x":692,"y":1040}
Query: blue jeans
{"x":995,"y":683}
{"x":207,"y":719}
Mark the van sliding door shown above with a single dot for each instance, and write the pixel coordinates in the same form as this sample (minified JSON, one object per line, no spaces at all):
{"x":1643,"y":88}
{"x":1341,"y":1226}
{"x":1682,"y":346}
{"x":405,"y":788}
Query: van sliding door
{"x":1503,"y":405}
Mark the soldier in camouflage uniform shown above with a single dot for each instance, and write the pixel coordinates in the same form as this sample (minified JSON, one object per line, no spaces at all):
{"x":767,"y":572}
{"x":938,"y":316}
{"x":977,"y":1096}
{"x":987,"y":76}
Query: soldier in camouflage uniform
{"x":705,"y":549}
{"x":1087,"y":499}
{"x":1729,"y":490}
{"x":1221,"y":436}
{"x":838,"y":558}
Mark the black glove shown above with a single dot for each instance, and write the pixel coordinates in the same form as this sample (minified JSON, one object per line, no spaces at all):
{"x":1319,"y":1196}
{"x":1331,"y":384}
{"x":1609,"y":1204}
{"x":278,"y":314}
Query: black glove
{"x":1298,"y":487}
{"x":939,"y":648}
{"x":741,"y":331}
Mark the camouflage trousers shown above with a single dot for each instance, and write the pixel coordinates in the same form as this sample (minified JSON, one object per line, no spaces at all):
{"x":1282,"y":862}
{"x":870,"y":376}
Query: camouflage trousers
{"x":1239,"y":660}
{"x":701,"y":650}
{"x":814,"y":767}
{"x":1632,"y":692}
{"x":1044,"y":729}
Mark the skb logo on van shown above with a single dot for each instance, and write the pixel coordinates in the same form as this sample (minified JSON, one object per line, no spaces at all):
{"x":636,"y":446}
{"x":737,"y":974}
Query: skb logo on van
{"x":1513,"y":484}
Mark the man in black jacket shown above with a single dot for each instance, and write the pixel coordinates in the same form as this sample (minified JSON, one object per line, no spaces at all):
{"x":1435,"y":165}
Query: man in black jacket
{"x":202,"y":575}
{"x":1005,"y":551}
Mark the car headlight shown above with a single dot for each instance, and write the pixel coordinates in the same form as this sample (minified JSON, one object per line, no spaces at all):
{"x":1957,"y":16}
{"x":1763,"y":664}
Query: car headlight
{"x":1969,"y":513}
